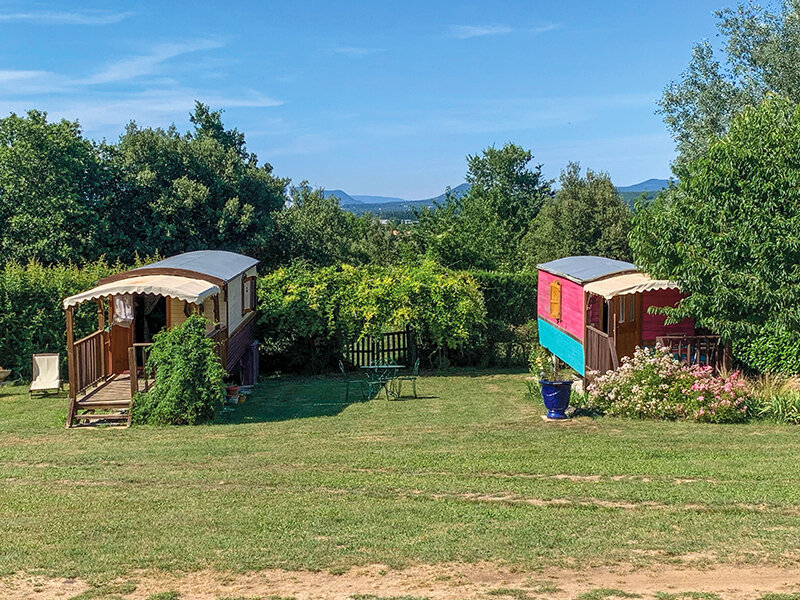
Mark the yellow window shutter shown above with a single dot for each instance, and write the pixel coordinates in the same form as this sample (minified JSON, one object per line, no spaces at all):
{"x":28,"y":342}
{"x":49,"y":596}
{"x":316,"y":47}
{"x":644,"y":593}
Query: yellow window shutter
{"x":555,"y":299}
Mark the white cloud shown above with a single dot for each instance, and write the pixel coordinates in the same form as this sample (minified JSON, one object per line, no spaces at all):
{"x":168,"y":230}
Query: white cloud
{"x":20,"y":82}
{"x":106,"y":114}
{"x":84,"y":17}
{"x":147,"y":64}
{"x":9,"y":76}
{"x":463,"y":32}
{"x":545,"y":28}
{"x":355,"y":51}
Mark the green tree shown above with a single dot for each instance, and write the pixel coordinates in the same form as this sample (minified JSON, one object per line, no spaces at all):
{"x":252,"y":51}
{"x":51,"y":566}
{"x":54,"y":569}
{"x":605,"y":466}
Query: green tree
{"x":54,"y":191}
{"x":586,"y":217}
{"x":182,"y":192}
{"x":482,"y":229}
{"x":761,"y":51}
{"x":503,"y":180}
{"x":729,"y":232}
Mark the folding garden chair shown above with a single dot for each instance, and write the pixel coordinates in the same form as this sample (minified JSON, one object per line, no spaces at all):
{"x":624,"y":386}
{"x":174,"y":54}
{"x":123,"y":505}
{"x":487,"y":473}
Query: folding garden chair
{"x":45,"y":373}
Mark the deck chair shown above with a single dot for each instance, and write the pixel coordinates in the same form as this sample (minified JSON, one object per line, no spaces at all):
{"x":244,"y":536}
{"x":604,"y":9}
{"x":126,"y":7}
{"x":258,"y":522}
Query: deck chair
{"x":46,"y":373}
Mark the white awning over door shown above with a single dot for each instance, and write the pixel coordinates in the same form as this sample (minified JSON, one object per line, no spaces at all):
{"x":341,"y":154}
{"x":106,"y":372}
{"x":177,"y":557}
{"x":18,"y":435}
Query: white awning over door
{"x":630,"y":283}
{"x":194,"y":291}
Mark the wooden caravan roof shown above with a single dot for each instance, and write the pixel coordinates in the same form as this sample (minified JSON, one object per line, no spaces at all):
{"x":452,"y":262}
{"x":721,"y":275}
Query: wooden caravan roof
{"x":194,"y":291}
{"x":216,"y":266}
{"x":583,"y":269}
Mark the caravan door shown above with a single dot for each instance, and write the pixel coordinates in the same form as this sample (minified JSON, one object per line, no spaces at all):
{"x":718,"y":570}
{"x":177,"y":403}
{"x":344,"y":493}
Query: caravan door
{"x":627,"y":323}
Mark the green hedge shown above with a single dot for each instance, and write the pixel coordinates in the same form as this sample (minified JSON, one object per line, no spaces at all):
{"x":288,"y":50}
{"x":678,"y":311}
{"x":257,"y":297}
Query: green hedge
{"x":31,"y":315}
{"x":511,"y":328}
{"x":510,"y":298}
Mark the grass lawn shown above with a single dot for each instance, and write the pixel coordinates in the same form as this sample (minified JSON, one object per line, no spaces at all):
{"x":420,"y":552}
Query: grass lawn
{"x":295,"y":478}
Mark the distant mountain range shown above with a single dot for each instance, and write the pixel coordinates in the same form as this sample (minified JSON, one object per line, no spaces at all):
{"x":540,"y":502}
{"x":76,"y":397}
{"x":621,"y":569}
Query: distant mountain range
{"x":389,"y":206}
{"x":651,"y":185}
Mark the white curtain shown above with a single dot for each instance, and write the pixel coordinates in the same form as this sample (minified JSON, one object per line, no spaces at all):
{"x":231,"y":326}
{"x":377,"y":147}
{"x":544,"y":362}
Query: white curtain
{"x":123,"y":310}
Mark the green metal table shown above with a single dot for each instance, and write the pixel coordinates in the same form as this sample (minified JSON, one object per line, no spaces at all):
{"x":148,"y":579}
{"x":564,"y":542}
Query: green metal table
{"x":381,"y":376}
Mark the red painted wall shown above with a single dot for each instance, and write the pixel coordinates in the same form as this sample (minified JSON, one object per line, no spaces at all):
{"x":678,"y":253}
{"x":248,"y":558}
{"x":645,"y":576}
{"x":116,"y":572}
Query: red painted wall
{"x":653,"y":325}
{"x":571,"y":304}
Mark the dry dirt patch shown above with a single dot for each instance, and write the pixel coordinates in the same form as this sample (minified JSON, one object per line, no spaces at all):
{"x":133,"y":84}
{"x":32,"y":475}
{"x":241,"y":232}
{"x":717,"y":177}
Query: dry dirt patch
{"x":436,"y":582}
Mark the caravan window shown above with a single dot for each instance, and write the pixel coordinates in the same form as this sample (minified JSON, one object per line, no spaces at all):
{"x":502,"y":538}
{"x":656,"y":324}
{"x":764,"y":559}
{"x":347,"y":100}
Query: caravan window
{"x":555,"y":300}
{"x":248,"y":294}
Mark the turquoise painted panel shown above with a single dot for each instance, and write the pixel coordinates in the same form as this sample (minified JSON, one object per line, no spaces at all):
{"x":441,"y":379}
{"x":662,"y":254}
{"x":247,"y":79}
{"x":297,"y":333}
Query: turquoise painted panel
{"x":563,"y":346}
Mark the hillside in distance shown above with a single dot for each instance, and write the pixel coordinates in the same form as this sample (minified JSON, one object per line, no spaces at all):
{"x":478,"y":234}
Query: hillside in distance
{"x":651,"y":187}
{"x":388,"y":207}
{"x":391,"y":207}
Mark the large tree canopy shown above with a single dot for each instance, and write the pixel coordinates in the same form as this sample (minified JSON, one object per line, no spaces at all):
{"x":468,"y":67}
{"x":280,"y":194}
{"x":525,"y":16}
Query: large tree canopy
{"x":314,"y":228}
{"x":482,"y":229}
{"x":761,"y":51}
{"x":182,"y":192}
{"x":54,"y":187}
{"x":66,"y":198}
{"x":586,"y":217}
{"x":729,"y":233}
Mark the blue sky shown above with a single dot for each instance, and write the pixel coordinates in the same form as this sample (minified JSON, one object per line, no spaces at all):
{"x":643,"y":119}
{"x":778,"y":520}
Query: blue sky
{"x":372,"y":97}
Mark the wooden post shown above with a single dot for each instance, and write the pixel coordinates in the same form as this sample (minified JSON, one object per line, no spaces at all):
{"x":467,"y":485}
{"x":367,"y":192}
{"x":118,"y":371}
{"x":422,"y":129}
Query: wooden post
{"x":71,"y":366}
{"x":101,"y":349}
{"x":587,"y":302}
{"x":133,"y":371}
{"x":216,"y":309}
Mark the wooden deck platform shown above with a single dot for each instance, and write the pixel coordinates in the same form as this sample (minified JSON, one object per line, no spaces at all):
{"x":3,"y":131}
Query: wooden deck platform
{"x":108,"y":402}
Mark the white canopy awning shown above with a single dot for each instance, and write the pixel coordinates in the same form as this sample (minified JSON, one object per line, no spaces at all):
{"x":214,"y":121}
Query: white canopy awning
{"x":194,"y":291}
{"x":630,"y":283}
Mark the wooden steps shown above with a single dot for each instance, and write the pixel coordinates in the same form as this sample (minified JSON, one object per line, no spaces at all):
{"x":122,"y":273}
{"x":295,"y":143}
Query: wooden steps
{"x":94,"y":405}
{"x":103,"y":417}
{"x":109,"y":402}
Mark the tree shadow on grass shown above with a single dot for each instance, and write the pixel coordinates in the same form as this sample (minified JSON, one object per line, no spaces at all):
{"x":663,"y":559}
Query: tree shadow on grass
{"x":474,"y":371}
{"x":287,"y":398}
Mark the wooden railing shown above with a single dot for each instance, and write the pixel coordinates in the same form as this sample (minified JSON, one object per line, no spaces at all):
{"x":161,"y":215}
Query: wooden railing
{"x":601,"y":355}
{"x":138,"y":373}
{"x":90,"y":361}
{"x":705,"y":350}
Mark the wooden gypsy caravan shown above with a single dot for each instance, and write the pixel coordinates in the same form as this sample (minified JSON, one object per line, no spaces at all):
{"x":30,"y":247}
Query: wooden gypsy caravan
{"x":107,"y":367}
{"x":592,"y":311}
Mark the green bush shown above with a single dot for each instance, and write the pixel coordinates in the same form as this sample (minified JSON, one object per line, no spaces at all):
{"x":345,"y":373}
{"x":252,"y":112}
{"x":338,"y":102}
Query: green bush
{"x":188,"y":386}
{"x":778,"y":398}
{"x":308,"y":315}
{"x":31,"y":314}
{"x":510,"y":298}
{"x":511,"y":329}
{"x":771,"y":350}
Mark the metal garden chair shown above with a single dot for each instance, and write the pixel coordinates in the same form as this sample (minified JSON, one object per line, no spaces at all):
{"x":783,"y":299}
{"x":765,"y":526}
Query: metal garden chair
{"x":364,"y":385}
{"x":412,"y":377}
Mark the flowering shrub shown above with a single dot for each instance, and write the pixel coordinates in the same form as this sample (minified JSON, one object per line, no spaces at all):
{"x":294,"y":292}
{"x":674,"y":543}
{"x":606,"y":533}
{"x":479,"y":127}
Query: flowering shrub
{"x":653,"y":385}
{"x":718,"y":399}
{"x":650,"y":385}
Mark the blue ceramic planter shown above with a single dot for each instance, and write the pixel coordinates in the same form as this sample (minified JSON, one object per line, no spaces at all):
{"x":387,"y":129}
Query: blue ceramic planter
{"x":556,"y":398}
